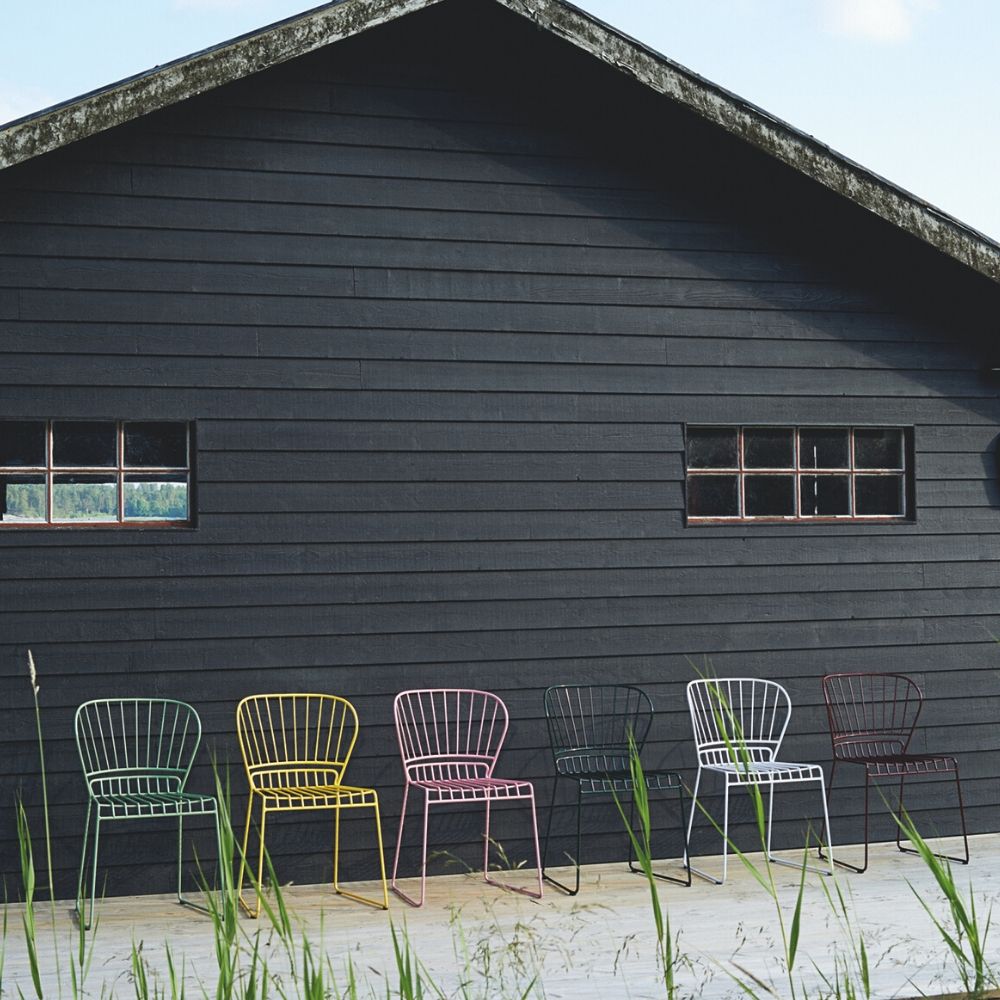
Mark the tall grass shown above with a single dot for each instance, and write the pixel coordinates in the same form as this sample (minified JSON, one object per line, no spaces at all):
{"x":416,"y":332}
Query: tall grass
{"x":666,"y":945}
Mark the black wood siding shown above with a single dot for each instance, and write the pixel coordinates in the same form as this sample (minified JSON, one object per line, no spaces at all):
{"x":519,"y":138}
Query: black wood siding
{"x":441,"y":300}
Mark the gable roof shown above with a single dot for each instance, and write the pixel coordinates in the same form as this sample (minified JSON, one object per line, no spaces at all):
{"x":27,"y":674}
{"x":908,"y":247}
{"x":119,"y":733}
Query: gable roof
{"x":176,"y":81}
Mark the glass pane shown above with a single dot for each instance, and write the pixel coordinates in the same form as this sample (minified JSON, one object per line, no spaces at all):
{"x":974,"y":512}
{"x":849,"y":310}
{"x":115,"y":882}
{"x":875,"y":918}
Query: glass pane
{"x":84,"y":443}
{"x":878,"y":448}
{"x":159,"y":444}
{"x":22,"y":442}
{"x":825,"y":496}
{"x":879,"y":495}
{"x":84,"y":498}
{"x":823,"y":448}
{"x":713,"y":496}
{"x":769,"y":496}
{"x":22,"y":499}
{"x":768,"y":448}
{"x":156,"y":498}
{"x":711,"y":448}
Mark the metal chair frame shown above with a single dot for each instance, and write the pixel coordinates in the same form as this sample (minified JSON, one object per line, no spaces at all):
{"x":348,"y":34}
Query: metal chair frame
{"x":589,"y":730}
{"x":449,"y":742}
{"x":137,"y":755}
{"x":296,"y":748}
{"x":872,"y":718}
{"x":739,"y":724}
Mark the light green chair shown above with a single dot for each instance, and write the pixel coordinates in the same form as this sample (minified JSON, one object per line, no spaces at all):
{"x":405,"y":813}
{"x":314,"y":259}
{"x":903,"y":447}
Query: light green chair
{"x":137,"y":754}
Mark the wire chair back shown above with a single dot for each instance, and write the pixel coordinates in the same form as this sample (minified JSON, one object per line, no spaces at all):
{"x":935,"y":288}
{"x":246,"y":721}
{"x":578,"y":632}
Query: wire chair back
{"x":590,"y":726}
{"x":871,"y":715}
{"x":131,"y":746}
{"x":740,"y":715}
{"x":295,"y":740}
{"x":449,"y":734}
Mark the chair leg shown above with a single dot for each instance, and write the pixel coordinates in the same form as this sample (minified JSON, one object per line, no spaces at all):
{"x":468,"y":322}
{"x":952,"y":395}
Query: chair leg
{"x":794,"y":864}
{"x":691,"y":815}
{"x":180,"y":858}
{"x":399,"y":843}
{"x":243,"y":863}
{"x":382,"y":904}
{"x":181,"y":898}
{"x":829,"y":792}
{"x":961,"y":813}
{"x":662,"y":876}
{"x":260,"y":859}
{"x":93,"y":873}
{"x":548,"y":830}
{"x":399,"y":837}
{"x":725,"y":834}
{"x":826,"y":828}
{"x":538,"y":854}
{"x":81,"y":899}
{"x":770,"y":815}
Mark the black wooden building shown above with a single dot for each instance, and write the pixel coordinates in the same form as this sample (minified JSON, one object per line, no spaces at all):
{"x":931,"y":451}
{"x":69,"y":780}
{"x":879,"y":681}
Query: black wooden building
{"x":456,"y":302}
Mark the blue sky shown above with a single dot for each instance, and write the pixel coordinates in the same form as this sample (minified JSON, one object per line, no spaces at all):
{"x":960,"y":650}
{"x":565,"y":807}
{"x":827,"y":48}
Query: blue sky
{"x":908,"y":88}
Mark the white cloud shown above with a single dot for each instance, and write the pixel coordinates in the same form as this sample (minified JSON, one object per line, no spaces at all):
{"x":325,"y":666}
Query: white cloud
{"x":16,"y":100}
{"x":874,"y":20}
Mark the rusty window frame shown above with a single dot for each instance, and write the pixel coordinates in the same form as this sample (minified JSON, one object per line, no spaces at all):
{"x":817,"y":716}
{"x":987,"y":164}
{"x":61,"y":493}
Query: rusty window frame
{"x":797,"y":471}
{"x":120,"y":471}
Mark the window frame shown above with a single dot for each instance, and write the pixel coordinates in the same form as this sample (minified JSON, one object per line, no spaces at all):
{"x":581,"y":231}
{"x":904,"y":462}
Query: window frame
{"x":119,"y":471}
{"x":798,"y":471}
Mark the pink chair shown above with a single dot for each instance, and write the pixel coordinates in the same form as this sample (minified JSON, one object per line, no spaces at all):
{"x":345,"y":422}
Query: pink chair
{"x":449,"y":739}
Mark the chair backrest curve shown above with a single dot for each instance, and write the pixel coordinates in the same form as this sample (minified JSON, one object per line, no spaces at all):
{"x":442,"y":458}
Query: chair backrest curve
{"x":296,"y":739}
{"x":738,"y":720}
{"x":136,"y":745}
{"x":448,"y":734}
{"x":871,"y":714}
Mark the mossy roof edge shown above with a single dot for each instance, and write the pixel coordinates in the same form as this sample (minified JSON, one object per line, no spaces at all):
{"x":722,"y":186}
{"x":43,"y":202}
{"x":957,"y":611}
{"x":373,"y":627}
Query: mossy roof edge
{"x":165,"y":85}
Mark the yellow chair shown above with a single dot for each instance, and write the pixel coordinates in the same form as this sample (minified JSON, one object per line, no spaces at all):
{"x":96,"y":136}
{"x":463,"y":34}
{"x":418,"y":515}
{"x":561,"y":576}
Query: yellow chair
{"x":295,"y":748}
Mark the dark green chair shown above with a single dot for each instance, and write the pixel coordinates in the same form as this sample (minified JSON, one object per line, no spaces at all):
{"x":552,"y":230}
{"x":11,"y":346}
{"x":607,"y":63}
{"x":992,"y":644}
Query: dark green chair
{"x":589,"y":730}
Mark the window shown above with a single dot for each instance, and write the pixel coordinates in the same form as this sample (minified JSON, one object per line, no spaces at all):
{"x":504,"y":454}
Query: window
{"x":94,"y":472}
{"x":798,"y":473}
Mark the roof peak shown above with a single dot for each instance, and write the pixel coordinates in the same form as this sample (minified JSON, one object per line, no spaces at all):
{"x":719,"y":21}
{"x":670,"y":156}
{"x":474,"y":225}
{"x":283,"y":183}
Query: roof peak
{"x":163,"y":86}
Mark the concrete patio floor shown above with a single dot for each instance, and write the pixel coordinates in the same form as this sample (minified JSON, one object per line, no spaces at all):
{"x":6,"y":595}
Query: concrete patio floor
{"x":478,"y":941}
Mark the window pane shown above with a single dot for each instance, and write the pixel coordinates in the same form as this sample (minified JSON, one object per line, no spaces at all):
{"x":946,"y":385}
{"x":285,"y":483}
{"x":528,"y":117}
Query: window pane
{"x":713,"y":496}
{"x":878,"y":448}
{"x":711,"y":448}
{"x":769,"y":496}
{"x":825,"y":496}
{"x":823,"y":448}
{"x":879,"y":495}
{"x":22,"y":442}
{"x":84,"y":498}
{"x":86,"y":443}
{"x":159,"y":444}
{"x":156,"y":498}
{"x":768,"y":448}
{"x":22,"y":499}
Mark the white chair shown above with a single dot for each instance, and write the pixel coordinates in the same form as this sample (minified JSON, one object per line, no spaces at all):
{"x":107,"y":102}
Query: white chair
{"x":739,"y":723}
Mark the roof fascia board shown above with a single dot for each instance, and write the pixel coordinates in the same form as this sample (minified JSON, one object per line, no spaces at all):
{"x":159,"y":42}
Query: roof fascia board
{"x":196,"y":74}
{"x":775,"y":137}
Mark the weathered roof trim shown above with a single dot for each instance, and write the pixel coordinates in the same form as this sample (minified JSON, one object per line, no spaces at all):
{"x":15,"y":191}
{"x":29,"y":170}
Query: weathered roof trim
{"x":180,"y":79}
{"x":159,"y":88}
{"x":784,"y":142}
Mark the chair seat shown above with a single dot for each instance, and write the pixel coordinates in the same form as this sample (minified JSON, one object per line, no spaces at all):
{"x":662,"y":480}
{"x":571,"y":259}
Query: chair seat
{"x":769,"y":772}
{"x":903,"y":764}
{"x":316,"y":797}
{"x":609,"y":782}
{"x":473,"y":789}
{"x":136,"y":805}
